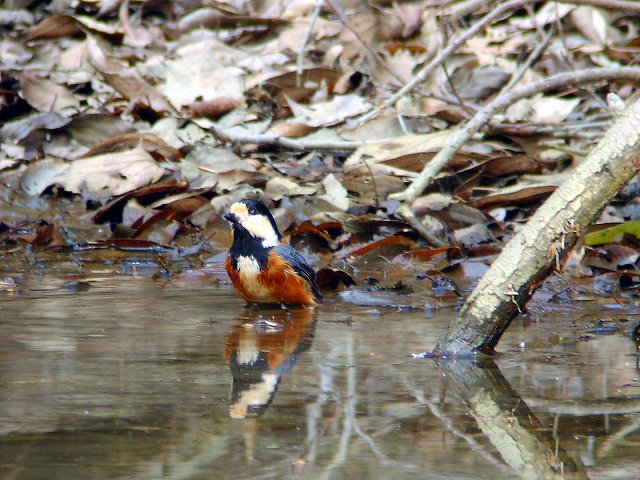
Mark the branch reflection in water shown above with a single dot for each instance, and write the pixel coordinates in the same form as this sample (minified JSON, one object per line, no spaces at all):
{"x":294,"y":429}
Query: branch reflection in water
{"x":262,"y":346}
{"x":508,"y":423}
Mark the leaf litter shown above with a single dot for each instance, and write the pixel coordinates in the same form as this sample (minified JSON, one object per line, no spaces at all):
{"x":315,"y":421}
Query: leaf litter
{"x":112,"y":120}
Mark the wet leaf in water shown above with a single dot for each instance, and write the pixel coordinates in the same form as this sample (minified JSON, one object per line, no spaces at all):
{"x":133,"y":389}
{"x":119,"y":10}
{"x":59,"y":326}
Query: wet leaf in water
{"x":112,"y":211}
{"x":330,"y":279}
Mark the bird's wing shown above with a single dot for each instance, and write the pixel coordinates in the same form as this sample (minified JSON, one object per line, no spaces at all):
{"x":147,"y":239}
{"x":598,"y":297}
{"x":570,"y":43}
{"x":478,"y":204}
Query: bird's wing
{"x":300,"y":265}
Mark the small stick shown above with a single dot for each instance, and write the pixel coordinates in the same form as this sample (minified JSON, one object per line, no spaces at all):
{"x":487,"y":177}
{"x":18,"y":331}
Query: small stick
{"x":284,"y":141}
{"x":307,"y":37}
{"x":345,"y":21}
{"x":456,"y":42}
{"x":503,"y":100}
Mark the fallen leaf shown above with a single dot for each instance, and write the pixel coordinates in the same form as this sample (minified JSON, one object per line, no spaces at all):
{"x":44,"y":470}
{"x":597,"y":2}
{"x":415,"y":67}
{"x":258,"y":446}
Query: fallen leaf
{"x":612,"y":233}
{"x":203,"y":70}
{"x":98,"y":177}
{"x":290,"y":130}
{"x":552,"y":110}
{"x":360,"y":249}
{"x":279,"y":187}
{"x":137,"y":90}
{"x":593,"y":24}
{"x":54,"y":27}
{"x":336,"y":194}
{"x":45,"y":95}
{"x":332,"y":112}
{"x":392,"y":149}
{"x":213,"y":108}
{"x":518,"y":195}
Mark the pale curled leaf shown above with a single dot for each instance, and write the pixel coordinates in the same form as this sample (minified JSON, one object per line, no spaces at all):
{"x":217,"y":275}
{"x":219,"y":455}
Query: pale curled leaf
{"x":279,"y":187}
{"x":97,"y":177}
{"x":335,"y":194}
{"x":552,"y":110}
{"x":592,"y":23}
{"x":332,"y":112}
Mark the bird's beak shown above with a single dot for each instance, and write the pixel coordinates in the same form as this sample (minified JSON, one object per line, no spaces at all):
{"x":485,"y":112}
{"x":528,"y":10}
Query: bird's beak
{"x":231,"y":217}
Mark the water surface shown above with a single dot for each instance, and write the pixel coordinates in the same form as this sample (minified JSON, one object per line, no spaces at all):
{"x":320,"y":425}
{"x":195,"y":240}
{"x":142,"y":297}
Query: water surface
{"x":130,"y":377}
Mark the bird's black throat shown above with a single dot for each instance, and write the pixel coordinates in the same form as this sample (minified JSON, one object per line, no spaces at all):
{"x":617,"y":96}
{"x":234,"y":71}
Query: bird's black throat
{"x":246,"y":245}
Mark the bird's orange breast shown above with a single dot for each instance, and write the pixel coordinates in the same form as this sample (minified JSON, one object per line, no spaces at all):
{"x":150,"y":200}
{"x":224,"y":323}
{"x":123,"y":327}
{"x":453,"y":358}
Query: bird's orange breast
{"x":277,"y":281}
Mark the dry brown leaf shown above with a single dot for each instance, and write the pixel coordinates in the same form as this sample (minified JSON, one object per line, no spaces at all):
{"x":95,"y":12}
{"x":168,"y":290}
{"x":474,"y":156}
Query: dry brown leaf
{"x":54,"y":27}
{"x":362,"y":249}
{"x":213,"y":108}
{"x":203,"y":69}
{"x":473,"y":82}
{"x":377,"y":188}
{"x":550,"y":12}
{"x":518,"y":195}
{"x":134,"y":36}
{"x":290,"y":130}
{"x":376,"y":153}
{"x":45,"y":95}
{"x":214,"y":19}
{"x":367,"y":26}
{"x":137,"y":90}
{"x":551,"y":109}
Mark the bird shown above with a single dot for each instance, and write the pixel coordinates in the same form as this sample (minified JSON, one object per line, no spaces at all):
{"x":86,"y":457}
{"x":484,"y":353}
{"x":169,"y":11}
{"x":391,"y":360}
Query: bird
{"x":262,"y":266}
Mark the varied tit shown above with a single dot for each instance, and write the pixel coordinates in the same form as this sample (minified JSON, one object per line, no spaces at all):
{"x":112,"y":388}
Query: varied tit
{"x":263,"y":268}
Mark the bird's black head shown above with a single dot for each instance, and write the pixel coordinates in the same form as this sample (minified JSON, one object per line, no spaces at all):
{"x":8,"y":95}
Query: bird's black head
{"x":254,"y":218}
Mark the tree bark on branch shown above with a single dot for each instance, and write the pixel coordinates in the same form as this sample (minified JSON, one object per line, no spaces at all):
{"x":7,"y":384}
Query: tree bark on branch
{"x":546,"y":239}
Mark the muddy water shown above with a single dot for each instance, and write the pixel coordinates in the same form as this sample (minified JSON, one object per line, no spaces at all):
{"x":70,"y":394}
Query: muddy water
{"x":132,"y":378}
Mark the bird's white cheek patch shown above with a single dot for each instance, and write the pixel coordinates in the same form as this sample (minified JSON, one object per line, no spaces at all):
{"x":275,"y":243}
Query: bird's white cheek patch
{"x":249,"y":270}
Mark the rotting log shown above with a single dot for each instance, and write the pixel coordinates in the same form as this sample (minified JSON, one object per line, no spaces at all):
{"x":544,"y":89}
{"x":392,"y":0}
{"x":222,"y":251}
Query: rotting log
{"x":547,"y":237}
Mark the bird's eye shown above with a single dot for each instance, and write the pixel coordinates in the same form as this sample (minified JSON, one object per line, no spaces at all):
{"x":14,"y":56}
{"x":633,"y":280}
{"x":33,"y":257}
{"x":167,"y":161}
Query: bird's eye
{"x":253,"y":211}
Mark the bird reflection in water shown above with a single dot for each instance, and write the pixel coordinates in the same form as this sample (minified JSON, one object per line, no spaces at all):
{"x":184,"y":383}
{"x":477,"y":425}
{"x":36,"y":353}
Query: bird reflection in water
{"x":262,"y":346}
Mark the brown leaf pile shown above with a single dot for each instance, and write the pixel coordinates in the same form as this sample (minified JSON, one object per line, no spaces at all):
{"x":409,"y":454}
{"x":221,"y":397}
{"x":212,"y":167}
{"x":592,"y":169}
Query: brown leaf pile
{"x":129,"y":122}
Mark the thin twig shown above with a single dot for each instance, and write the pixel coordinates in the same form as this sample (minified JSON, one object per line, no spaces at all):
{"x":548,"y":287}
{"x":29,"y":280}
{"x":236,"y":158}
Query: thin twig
{"x":457,"y":41}
{"x":305,"y":41}
{"x":453,"y":45}
{"x":345,"y":21}
{"x":503,"y":100}
{"x":455,"y":92}
{"x":531,"y":59}
{"x":284,"y":141}
{"x":405,"y":212}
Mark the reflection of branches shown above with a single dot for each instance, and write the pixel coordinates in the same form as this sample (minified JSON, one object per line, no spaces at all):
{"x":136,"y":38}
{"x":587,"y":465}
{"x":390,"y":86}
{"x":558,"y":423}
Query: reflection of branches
{"x":437,"y":412}
{"x":351,"y":426}
{"x":347,"y":425}
{"x":594,"y":406}
{"x":508,"y":423}
{"x":611,"y":441}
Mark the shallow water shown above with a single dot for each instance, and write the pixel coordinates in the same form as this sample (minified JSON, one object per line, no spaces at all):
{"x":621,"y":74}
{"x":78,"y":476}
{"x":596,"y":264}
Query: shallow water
{"x":128,"y":377}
